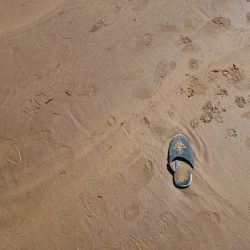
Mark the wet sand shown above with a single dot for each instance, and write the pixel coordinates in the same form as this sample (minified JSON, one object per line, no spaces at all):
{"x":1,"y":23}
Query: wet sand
{"x":91,"y":94}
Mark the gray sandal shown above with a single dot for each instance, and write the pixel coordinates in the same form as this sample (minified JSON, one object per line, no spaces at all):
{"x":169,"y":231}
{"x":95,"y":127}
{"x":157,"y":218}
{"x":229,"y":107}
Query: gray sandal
{"x":181,"y":160}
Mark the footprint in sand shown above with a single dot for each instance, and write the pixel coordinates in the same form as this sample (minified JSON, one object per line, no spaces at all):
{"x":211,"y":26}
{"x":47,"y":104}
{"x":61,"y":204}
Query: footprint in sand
{"x":193,"y":64}
{"x":131,"y":212}
{"x":195,"y":87}
{"x":210,"y":113}
{"x":138,"y":173}
{"x":146,"y":88}
{"x":213,"y":228}
{"x":97,"y":26}
{"x":163,"y":68}
{"x":6,"y":219}
{"x":208,"y":217}
{"x":165,"y":223}
{"x":240,"y":101}
{"x":191,"y":236}
{"x":134,"y":242}
{"x":222,"y":22}
{"x":147,"y":38}
{"x":146,"y":222}
{"x":187,"y":45}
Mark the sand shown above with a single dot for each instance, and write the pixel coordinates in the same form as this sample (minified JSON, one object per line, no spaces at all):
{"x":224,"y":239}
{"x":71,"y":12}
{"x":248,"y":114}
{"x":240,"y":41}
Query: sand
{"x":91,"y":94}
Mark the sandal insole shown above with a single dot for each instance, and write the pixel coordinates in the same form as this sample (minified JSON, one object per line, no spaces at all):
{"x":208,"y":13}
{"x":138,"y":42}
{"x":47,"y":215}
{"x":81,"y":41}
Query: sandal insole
{"x":183,"y":173}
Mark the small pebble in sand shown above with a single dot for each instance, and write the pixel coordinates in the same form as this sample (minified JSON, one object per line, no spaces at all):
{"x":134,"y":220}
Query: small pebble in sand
{"x":225,"y":72}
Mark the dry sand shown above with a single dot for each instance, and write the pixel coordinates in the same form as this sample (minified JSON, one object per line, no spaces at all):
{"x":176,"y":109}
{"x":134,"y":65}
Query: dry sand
{"x":91,"y":94}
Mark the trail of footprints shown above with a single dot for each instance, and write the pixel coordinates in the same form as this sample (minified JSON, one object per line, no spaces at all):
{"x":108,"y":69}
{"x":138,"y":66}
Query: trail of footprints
{"x":204,"y":229}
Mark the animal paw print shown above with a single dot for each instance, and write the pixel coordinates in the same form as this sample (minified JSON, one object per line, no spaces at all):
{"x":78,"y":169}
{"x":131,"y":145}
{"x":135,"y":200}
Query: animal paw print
{"x":210,"y":113}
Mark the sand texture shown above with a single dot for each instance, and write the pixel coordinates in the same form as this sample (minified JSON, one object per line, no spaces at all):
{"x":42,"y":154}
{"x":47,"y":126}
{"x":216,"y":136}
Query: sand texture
{"x":91,"y":93}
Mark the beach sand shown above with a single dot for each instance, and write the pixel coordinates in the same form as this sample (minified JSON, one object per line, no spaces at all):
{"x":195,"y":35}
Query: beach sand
{"x":91,"y":94}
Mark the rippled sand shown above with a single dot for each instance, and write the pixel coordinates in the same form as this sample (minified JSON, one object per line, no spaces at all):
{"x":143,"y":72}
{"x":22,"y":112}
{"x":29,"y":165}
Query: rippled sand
{"x":91,"y":94}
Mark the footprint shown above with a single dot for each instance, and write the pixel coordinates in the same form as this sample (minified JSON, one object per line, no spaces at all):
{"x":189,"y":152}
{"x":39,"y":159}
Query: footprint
{"x":63,"y":152}
{"x":190,"y":48}
{"x":222,"y":22}
{"x":139,"y":173}
{"x":131,"y":212}
{"x":196,"y":87}
{"x":247,"y":143}
{"x":210,"y":113}
{"x":6,"y":219}
{"x":135,"y":242}
{"x":166,"y":221}
{"x":240,"y":101}
{"x":166,"y":226}
{"x":97,"y":26}
{"x":206,"y":117}
{"x":146,"y":222}
{"x":163,"y":68}
{"x":208,"y":217}
{"x":143,"y":92}
{"x":193,"y":64}
{"x":191,"y":237}
{"x":147,"y":39}
{"x":184,"y":40}
{"x":191,"y":227}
